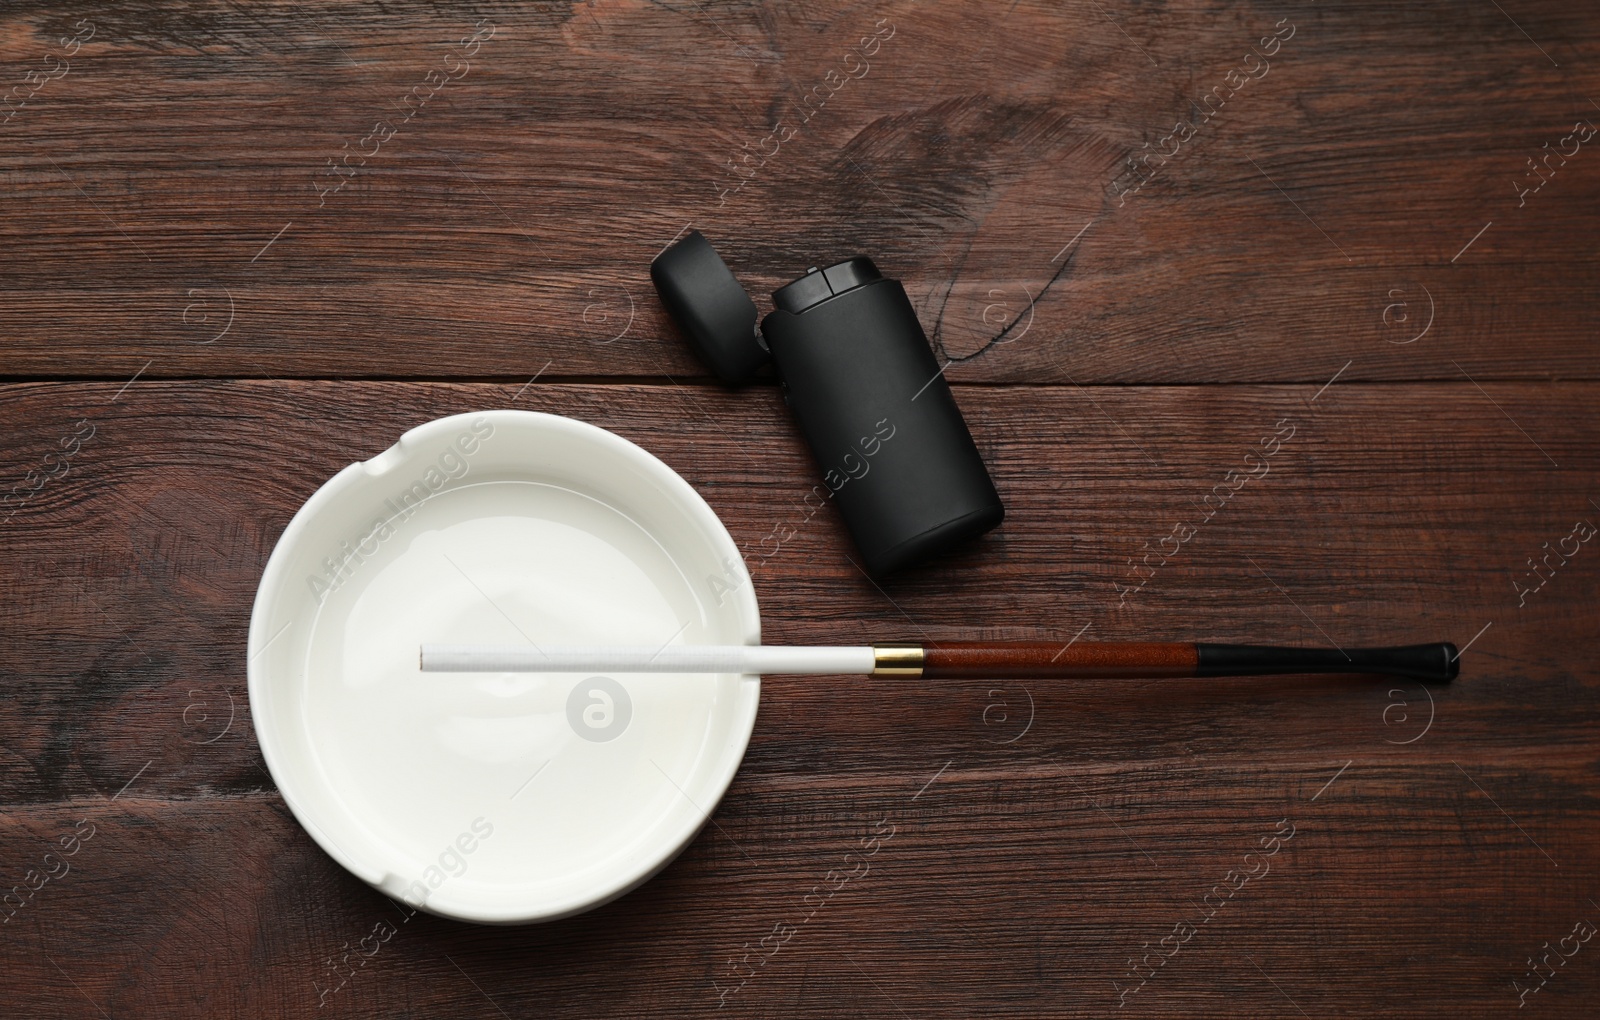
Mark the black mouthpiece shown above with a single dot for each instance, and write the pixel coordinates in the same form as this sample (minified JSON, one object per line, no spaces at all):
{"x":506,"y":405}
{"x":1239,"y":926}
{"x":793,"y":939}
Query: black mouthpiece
{"x":1438,"y":663}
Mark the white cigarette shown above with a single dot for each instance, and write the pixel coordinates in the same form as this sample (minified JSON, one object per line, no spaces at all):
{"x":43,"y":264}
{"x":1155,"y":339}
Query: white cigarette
{"x":759,"y":659}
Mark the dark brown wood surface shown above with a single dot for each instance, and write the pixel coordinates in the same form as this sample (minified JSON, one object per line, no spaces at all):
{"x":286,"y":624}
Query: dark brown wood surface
{"x":196,"y":332}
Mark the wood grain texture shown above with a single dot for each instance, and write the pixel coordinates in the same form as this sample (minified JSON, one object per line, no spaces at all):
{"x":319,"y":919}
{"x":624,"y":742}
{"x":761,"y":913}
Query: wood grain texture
{"x":168,"y":203}
{"x":1046,"y":831}
{"x":1325,"y":377}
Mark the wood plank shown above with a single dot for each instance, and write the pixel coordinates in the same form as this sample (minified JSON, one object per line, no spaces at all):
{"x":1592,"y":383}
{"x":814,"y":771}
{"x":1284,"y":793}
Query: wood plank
{"x":1003,"y":889}
{"x":1390,"y":514}
{"x":1341,"y":250}
{"x":184,"y":225}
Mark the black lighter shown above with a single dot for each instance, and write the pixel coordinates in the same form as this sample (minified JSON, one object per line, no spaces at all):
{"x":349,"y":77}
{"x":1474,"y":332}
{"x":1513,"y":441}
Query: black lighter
{"x":871,"y":401}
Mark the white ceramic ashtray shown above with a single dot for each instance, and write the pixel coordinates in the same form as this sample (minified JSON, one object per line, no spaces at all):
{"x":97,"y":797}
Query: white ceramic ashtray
{"x":500,"y":797}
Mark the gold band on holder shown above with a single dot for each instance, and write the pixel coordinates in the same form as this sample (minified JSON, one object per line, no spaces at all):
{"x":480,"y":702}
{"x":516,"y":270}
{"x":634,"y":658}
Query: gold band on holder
{"x":897,"y":660}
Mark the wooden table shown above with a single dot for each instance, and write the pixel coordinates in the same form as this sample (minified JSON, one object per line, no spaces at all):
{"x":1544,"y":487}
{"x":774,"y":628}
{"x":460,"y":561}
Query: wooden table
{"x":245,"y":245}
